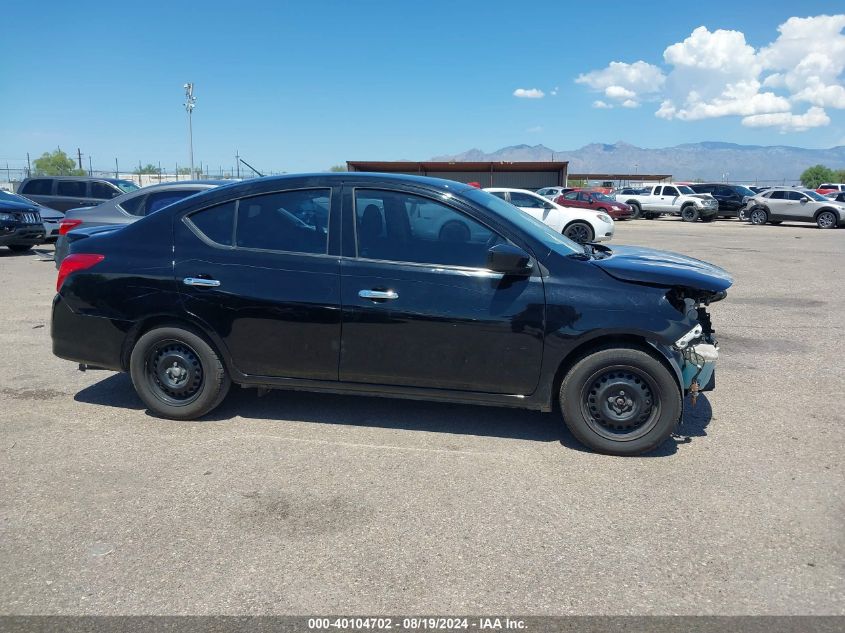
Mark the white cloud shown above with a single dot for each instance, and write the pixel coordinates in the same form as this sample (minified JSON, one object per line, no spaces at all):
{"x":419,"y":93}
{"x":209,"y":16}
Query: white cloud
{"x":554,"y":91}
{"x":717,"y":73}
{"x":602,"y":105}
{"x":529,"y":93}
{"x":534,"y":130}
{"x":624,"y":82}
{"x":788,"y":122}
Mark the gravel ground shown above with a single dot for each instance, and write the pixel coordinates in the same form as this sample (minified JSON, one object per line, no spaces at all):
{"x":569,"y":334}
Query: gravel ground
{"x":298,"y":503}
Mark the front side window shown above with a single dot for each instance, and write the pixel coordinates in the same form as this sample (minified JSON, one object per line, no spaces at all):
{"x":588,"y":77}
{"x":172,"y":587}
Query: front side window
{"x":796,"y":195}
{"x":291,"y":221}
{"x":126,"y":186}
{"x":38,"y":187}
{"x":104,"y":191}
{"x":216,"y":223}
{"x":71,"y":188}
{"x":397,"y":226}
{"x":670,"y":191}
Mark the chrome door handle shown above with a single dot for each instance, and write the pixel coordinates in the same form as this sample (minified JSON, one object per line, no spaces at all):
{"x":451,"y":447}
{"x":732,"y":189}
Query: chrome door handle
{"x":378,"y":294}
{"x":201,"y":283}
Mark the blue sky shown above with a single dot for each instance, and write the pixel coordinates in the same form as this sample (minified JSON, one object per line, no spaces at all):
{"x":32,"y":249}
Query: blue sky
{"x":300,"y":86}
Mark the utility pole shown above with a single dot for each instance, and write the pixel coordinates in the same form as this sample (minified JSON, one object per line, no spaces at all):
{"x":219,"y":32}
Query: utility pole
{"x":190,"y":101}
{"x":79,"y":158}
{"x":28,"y":166}
{"x":90,"y":169}
{"x":237,"y":162}
{"x":116,"y":170}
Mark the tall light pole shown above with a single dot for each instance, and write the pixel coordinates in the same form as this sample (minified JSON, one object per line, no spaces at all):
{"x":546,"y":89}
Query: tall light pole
{"x":190,"y":101}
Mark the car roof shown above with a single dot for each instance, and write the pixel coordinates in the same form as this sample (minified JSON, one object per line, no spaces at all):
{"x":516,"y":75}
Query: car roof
{"x":533,"y":193}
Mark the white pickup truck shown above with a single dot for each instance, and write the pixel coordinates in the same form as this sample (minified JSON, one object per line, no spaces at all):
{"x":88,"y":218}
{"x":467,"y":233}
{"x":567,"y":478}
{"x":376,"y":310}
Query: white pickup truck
{"x":671,"y":198}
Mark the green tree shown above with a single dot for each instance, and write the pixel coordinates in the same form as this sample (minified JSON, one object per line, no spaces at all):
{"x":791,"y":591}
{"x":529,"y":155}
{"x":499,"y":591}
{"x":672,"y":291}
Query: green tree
{"x":816,"y":175}
{"x":184,"y":171}
{"x":337,"y":168}
{"x":56,"y":164}
{"x":840,"y":175}
{"x":149,"y":168}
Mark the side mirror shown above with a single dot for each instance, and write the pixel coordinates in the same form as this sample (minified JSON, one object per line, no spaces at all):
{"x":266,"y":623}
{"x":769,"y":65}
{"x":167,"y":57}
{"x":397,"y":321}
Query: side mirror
{"x":508,"y":259}
{"x":803,"y":200}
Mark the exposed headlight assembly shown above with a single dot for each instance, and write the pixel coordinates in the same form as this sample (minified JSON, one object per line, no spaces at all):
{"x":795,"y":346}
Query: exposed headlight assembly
{"x":690,"y":336}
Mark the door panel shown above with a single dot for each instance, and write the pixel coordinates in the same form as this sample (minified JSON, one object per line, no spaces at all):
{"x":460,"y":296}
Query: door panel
{"x":277,"y":312}
{"x":439,"y":326}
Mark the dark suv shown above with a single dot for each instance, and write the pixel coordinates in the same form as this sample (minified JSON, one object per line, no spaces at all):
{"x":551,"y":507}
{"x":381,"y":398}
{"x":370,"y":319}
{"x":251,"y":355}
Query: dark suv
{"x":21,"y":227}
{"x":68,"y":192}
{"x":731,"y":198}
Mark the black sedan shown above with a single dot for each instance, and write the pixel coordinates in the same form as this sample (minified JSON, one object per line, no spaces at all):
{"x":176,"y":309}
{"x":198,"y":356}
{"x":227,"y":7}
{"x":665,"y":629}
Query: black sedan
{"x":387,"y":285}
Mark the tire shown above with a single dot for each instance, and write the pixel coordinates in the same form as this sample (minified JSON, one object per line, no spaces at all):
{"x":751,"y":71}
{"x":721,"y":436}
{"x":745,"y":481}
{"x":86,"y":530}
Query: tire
{"x":200,"y":385}
{"x":648,"y":215}
{"x":689,"y":213}
{"x":580,"y":232}
{"x":708,"y":218}
{"x":742,"y":215}
{"x":775,"y":222}
{"x":636,"y":210}
{"x":826,"y":220}
{"x":620,"y":401}
{"x":20,"y":248}
{"x":758,"y":216}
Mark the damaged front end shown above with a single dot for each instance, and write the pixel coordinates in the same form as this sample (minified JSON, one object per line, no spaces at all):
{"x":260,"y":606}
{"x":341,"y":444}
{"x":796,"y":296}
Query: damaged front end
{"x":698,"y":348}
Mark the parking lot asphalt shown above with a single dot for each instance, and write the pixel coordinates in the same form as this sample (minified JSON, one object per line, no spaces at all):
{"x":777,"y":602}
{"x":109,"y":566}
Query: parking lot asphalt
{"x":298,"y":503}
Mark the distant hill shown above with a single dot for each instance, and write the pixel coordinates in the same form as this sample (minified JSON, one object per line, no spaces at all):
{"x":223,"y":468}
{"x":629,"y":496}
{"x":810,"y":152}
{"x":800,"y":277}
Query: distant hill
{"x":691,"y":161}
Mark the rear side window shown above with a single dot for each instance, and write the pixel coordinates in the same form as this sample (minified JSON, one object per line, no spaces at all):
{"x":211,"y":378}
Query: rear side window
{"x":103,"y":191}
{"x":38,"y":187}
{"x":289,"y":221}
{"x":161,"y":199}
{"x":133,"y":205}
{"x":71,"y":188}
{"x":778,"y":195}
{"x":216,"y":223}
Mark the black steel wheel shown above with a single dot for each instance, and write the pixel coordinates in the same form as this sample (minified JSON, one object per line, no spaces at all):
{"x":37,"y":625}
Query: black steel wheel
{"x":620,"y":400}
{"x":177,"y":373}
{"x":580,"y":232}
{"x":174,"y":372}
{"x":758,"y":216}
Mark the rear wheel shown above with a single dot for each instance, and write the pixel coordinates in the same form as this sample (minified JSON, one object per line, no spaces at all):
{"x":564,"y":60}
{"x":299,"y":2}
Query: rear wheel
{"x":775,"y":222}
{"x":620,"y":401}
{"x":758,"y":216}
{"x":20,"y":248}
{"x":826,"y":220}
{"x":689,"y":213}
{"x":636,"y":210}
{"x":580,"y":232}
{"x":177,"y":373}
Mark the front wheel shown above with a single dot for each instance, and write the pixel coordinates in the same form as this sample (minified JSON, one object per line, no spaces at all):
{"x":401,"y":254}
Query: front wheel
{"x":826,"y":220}
{"x":20,"y":248}
{"x":742,"y":215}
{"x":177,"y":373}
{"x":636,"y":210}
{"x":620,"y":401}
{"x":689,"y":213}
{"x":758,"y":216}
{"x":580,"y":232}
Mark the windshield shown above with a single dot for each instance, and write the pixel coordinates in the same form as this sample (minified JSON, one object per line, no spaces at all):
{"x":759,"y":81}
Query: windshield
{"x":126,"y":185}
{"x":814,"y":195}
{"x":686,"y":190}
{"x":744,"y":191}
{"x":525,"y":222}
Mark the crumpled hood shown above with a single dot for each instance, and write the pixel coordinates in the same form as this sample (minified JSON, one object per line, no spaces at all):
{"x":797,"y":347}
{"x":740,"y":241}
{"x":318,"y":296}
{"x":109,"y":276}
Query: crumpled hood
{"x":663,"y":268}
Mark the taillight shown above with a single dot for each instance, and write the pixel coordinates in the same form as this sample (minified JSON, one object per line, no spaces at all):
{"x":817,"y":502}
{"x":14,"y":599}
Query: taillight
{"x":75,"y":262}
{"x":68,"y":224}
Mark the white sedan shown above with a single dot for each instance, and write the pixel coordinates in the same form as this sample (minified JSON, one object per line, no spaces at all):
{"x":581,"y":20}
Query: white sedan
{"x":579,"y":225}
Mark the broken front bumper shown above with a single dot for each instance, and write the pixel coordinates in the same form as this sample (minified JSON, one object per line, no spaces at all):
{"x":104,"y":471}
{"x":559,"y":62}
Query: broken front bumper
{"x":699,"y":367}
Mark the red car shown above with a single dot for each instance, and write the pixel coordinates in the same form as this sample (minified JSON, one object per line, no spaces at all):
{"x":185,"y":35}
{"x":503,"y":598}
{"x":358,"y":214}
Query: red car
{"x":596,"y":201}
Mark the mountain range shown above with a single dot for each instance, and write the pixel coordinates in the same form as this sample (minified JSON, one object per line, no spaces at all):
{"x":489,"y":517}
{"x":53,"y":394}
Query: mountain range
{"x":691,"y":161}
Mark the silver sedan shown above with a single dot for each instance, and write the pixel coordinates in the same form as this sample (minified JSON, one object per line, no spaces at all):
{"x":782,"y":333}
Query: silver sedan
{"x":128,"y":208}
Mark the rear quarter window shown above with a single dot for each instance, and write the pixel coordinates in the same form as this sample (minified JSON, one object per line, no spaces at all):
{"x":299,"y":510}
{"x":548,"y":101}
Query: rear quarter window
{"x":215,"y":223}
